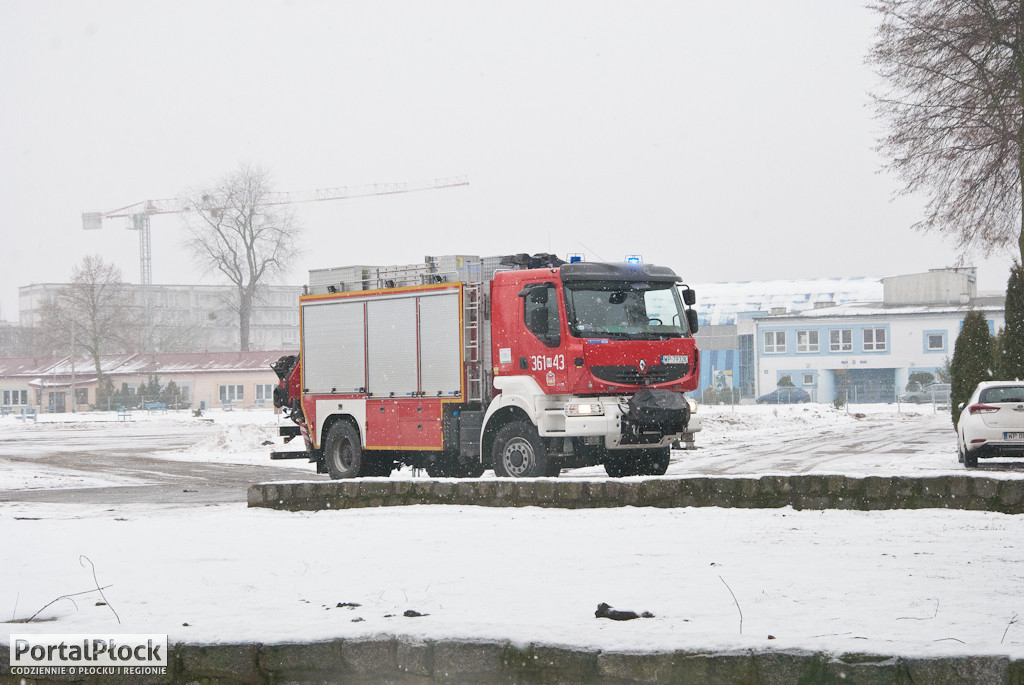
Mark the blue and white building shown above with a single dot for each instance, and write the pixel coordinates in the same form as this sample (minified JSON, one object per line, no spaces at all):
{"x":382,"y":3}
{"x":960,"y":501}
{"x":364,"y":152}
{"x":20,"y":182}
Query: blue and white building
{"x":727,"y":311}
{"x":860,"y":342}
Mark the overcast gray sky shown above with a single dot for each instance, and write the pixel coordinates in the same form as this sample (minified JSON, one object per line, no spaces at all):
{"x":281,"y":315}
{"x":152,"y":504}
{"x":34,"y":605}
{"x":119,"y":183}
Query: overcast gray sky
{"x":730,"y":141}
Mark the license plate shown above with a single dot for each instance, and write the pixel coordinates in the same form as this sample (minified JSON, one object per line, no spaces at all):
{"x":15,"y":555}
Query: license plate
{"x":675,"y":359}
{"x":1013,"y":436}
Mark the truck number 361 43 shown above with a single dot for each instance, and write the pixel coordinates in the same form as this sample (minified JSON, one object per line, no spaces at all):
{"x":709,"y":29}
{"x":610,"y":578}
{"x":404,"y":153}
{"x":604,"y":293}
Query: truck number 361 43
{"x":540,"y":363}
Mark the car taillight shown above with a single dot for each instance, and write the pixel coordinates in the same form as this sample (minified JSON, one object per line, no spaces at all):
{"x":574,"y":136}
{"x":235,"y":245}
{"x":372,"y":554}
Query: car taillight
{"x":981,"y":409}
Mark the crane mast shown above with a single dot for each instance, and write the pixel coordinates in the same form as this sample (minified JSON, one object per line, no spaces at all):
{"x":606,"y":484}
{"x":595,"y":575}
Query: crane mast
{"x":138,"y":214}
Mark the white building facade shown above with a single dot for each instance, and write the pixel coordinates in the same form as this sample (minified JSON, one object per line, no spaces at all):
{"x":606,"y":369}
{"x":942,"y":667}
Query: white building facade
{"x":866,"y":352}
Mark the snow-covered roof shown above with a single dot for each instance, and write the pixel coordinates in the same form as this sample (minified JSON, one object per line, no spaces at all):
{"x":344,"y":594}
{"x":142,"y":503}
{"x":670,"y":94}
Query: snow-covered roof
{"x":876,"y":309}
{"x":143,"y":364}
{"x":720,"y":303}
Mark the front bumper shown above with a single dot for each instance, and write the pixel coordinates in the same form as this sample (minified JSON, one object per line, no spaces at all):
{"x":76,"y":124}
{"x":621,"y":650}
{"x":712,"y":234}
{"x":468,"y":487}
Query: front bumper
{"x":608,"y":424}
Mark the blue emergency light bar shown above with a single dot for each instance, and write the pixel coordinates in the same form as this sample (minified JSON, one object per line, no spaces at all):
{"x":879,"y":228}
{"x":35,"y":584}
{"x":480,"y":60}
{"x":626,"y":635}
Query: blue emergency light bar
{"x":634,"y":259}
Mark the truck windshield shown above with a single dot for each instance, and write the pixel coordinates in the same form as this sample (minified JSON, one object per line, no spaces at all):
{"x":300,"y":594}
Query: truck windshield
{"x":617,"y":309}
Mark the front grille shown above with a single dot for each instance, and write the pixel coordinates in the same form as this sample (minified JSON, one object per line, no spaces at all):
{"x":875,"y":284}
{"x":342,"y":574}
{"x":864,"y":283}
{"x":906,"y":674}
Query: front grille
{"x":631,"y":375}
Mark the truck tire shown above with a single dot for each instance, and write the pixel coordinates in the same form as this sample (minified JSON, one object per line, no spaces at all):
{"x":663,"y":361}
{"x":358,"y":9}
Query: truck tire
{"x":449,"y":466}
{"x":519,"y":452}
{"x":377,"y":465}
{"x":624,"y":463}
{"x":343,"y":454}
{"x":641,"y":462}
{"x":656,"y":461}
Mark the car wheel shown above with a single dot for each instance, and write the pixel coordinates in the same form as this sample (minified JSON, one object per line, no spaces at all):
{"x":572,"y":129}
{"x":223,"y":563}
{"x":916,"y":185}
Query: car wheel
{"x":959,"y":451}
{"x":970,"y":459}
{"x":519,"y":452}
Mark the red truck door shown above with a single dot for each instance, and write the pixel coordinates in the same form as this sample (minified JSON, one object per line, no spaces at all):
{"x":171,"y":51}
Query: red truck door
{"x":538,"y":349}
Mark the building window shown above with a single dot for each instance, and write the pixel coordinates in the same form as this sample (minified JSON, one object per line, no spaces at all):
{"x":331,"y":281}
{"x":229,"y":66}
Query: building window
{"x":808,"y":379}
{"x":840,"y":340}
{"x":774,"y":342}
{"x":264,"y":392}
{"x":874,"y":339}
{"x":934,"y":341}
{"x":81,"y":395}
{"x":230,"y":393}
{"x":807,"y":341}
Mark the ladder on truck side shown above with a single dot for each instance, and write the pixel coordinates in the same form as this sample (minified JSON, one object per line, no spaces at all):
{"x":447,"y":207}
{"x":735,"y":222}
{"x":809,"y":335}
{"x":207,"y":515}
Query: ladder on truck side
{"x":473,"y":353}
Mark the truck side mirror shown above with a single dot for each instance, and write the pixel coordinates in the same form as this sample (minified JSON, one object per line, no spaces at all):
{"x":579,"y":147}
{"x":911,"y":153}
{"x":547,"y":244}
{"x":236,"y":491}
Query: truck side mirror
{"x":689,"y":297}
{"x":691,"y":319}
{"x":538,"y":294}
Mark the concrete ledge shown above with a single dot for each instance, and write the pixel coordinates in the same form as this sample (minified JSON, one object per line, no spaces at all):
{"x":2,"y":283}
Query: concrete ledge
{"x":766,"y":492}
{"x":402,"y":660}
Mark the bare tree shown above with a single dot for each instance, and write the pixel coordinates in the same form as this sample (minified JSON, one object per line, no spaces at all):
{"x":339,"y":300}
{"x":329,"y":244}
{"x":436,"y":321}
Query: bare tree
{"x":955,"y":76}
{"x":234,"y":230}
{"x":93,"y":312}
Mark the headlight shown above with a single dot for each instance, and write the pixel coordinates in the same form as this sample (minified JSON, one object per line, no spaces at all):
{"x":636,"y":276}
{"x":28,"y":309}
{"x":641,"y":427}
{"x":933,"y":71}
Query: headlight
{"x":692,"y":403}
{"x":584,"y":409}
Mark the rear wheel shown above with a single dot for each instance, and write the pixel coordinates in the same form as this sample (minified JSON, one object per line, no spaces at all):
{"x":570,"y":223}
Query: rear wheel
{"x":970,"y":459}
{"x":376,"y":464}
{"x":519,"y":452}
{"x":343,"y":453}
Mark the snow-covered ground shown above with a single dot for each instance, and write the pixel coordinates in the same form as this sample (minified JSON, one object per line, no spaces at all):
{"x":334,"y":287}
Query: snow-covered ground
{"x":901,"y":582}
{"x":741,"y":440}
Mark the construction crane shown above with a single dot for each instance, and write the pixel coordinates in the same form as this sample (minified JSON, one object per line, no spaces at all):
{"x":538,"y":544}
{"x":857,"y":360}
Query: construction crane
{"x":138,"y":214}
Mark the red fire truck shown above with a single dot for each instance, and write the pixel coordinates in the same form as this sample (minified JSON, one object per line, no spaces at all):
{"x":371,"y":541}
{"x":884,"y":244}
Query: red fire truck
{"x":524,"y":364}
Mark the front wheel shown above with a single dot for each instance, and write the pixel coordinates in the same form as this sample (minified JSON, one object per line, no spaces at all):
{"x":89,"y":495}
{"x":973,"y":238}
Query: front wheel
{"x":519,"y":452}
{"x":656,"y":463}
{"x":642,"y":462}
{"x":343,"y":453}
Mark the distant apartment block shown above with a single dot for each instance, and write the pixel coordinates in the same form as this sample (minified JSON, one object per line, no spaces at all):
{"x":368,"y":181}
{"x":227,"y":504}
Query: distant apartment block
{"x":194,"y":318}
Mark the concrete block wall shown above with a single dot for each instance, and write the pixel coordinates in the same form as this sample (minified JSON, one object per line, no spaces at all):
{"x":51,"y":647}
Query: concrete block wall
{"x":411,"y":661}
{"x":799,"y":491}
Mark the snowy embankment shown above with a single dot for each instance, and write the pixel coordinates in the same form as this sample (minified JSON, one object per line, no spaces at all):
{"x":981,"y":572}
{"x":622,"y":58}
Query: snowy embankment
{"x":893,"y":582}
